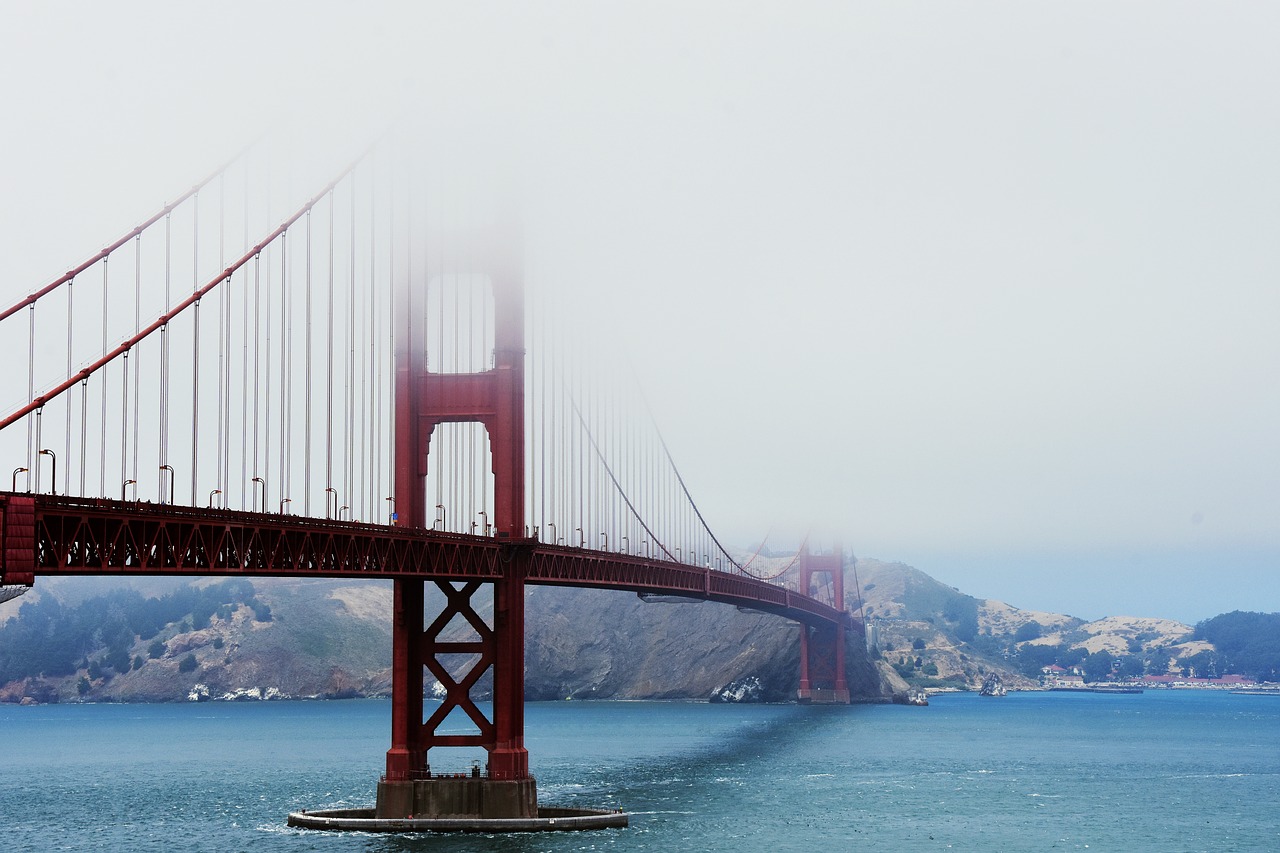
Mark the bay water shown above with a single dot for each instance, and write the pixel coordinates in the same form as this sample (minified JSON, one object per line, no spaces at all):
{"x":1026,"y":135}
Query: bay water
{"x":1159,"y":771}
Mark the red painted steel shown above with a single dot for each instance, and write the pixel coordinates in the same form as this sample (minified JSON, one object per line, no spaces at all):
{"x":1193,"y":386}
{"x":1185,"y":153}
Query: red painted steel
{"x":822,"y":658}
{"x":58,"y":535}
{"x":495,"y":399}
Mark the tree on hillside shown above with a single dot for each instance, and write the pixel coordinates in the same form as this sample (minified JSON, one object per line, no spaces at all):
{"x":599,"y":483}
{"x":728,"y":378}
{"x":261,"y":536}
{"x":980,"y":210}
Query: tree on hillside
{"x":1129,"y":666}
{"x":1032,"y":630}
{"x":1157,"y":660}
{"x":1034,"y":657}
{"x":1205,"y":664}
{"x":50,"y":639}
{"x":1249,"y":643}
{"x":1097,"y":666}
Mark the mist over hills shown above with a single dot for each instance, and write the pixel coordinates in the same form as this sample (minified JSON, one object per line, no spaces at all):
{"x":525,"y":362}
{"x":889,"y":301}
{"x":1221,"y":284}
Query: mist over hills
{"x":170,"y":640}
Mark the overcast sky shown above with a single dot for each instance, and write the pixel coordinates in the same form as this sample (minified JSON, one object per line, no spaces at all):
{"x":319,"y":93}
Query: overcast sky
{"x":989,"y":288}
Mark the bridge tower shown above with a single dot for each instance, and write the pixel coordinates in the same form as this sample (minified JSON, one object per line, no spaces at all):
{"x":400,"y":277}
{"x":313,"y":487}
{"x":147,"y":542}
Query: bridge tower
{"x":424,"y":400}
{"x":822,"y":660}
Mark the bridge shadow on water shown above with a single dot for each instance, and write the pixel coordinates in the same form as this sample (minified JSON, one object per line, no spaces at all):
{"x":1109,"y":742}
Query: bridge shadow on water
{"x":721,"y":774}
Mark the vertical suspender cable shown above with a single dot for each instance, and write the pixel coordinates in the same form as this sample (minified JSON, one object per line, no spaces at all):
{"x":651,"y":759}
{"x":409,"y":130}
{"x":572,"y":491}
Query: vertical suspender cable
{"x":330,"y":345}
{"x":66,"y":452}
{"x":245,"y":386}
{"x":371,"y":489}
{"x":541,"y":398}
{"x":306,"y":357}
{"x":375,"y":351}
{"x":348,"y":407}
{"x":257,"y":372}
{"x":164,"y":354}
{"x":366,"y":319}
{"x":137,"y":359}
{"x":84,"y":431}
{"x":195,"y":348}
{"x":124,"y":422}
{"x":224,"y":301}
{"x":467,"y":265}
{"x":440,"y":366}
{"x":286,"y":375}
{"x":102,"y":461}
{"x":31,"y":395}
{"x":195,"y":397}
{"x":266,"y":381}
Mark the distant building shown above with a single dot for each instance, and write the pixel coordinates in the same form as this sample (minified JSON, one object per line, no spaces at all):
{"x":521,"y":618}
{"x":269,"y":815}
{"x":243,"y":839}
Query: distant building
{"x":1055,"y":676}
{"x":1226,"y":682}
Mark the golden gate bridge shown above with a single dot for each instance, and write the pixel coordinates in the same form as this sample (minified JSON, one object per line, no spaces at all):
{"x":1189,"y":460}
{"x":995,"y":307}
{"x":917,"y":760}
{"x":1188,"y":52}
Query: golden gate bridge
{"x":357,"y":389}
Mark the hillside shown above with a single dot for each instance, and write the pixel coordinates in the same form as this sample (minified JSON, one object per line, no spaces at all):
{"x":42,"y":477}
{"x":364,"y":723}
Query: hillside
{"x":331,"y":638}
{"x":957,"y":639}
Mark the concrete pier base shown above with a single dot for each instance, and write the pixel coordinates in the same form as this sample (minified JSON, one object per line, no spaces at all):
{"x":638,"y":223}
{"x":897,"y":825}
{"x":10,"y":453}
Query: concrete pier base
{"x":823,"y":696}
{"x":458,"y":796}
{"x":546,"y":820}
{"x":458,"y":804}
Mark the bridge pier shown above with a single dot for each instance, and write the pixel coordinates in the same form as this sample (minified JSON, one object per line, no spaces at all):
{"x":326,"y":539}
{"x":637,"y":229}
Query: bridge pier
{"x":822,"y":661}
{"x":505,"y":789}
{"x":493,"y":398}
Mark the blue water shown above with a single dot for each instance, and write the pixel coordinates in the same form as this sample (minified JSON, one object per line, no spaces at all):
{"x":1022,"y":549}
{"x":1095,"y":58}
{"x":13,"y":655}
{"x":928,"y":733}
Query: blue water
{"x":1161,"y":771}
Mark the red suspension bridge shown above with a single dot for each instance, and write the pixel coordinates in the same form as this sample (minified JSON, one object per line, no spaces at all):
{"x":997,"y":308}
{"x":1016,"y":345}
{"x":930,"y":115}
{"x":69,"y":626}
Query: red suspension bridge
{"x":360,"y":393}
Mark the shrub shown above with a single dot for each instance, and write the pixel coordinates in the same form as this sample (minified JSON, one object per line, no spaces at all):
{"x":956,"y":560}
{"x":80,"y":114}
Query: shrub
{"x":1032,"y":630}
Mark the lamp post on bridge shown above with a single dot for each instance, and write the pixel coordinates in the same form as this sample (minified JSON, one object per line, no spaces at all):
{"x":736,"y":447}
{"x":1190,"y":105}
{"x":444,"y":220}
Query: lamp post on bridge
{"x":168,"y":468}
{"x":263,"y":483}
{"x":214,"y":493}
{"x":124,"y":489}
{"x":16,"y":472}
{"x":53,"y":486}
{"x":337,"y":510}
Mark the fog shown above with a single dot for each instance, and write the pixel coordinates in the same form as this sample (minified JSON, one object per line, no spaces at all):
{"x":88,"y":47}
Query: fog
{"x":988,"y":288}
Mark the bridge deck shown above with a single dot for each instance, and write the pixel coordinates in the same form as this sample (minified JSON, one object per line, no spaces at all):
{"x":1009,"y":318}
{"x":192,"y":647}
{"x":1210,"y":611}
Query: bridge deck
{"x":60,"y":536}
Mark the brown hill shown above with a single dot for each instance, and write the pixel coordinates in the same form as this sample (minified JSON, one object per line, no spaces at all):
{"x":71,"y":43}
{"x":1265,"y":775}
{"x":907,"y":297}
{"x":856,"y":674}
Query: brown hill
{"x":330,"y":638}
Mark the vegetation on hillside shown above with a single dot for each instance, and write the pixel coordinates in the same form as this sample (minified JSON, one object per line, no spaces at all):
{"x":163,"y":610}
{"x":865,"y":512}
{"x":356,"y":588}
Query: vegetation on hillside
{"x":48,"y":638}
{"x":1245,"y":643}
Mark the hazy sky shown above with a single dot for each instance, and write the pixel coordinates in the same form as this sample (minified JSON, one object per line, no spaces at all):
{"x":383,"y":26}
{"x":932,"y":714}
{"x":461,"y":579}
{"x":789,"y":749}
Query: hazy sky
{"x":989,"y":288}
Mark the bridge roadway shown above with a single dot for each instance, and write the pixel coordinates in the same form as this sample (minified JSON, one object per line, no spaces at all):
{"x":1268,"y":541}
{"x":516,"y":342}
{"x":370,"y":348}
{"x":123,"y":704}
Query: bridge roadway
{"x":53,"y":535}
